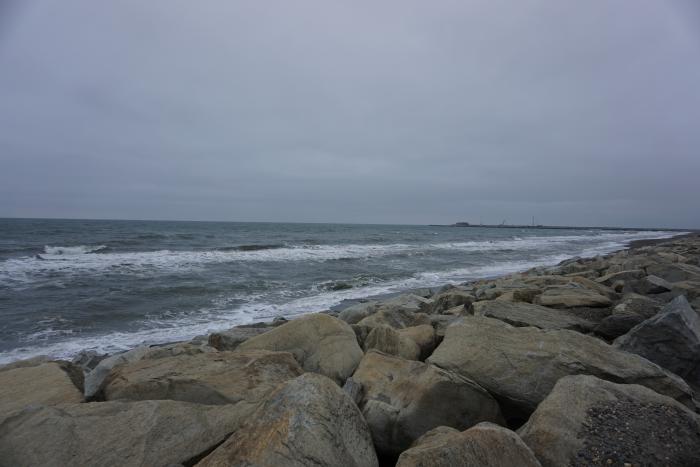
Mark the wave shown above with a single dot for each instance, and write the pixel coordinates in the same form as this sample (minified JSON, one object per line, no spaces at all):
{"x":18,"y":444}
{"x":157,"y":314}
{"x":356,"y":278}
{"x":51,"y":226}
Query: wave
{"x":68,"y":261}
{"x":72,"y":250}
{"x":257,"y":308}
{"x":251,"y":247}
{"x":245,"y":308}
{"x":82,"y":259}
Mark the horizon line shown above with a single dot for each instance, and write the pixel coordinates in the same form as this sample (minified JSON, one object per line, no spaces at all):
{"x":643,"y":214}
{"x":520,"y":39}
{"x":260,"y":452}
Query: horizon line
{"x":523,"y":226}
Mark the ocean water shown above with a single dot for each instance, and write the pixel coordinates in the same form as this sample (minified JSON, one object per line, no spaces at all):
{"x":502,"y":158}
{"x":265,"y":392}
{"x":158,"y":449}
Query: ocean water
{"x":68,"y":285}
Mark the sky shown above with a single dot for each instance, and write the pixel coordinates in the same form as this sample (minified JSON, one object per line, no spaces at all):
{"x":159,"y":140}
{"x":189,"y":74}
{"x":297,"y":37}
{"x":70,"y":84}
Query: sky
{"x":413,"y":112}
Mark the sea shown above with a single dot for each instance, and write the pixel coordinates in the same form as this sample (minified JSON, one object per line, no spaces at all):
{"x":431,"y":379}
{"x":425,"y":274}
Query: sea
{"x":108,"y":286}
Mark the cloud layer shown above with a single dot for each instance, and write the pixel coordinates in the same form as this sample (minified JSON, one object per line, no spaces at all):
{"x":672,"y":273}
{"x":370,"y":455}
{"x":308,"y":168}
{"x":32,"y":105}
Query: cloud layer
{"x":581,"y":113}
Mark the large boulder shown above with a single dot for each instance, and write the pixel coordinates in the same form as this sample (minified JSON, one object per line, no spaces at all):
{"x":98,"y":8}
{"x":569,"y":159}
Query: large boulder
{"x":404,"y":399}
{"x":650,"y":285}
{"x":307,"y":421}
{"x":484,"y":445}
{"x":232,"y":338}
{"x":675,"y":272}
{"x":94,"y":378}
{"x":589,"y":421}
{"x":355,"y":313}
{"x":527,"y":314}
{"x":637,"y":304}
{"x":320,"y":343}
{"x":610,"y":279}
{"x":406,"y":302}
{"x":617,"y":324}
{"x":671,"y":339}
{"x":395,"y":318}
{"x":451,"y":298}
{"x":45,"y":383}
{"x":571,"y":297}
{"x":423,"y":336}
{"x":147,"y":433}
{"x":520,"y":366}
{"x":390,"y":341}
{"x":207,"y":378}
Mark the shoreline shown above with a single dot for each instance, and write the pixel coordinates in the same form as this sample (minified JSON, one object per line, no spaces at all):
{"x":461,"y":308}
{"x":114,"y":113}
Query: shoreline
{"x":531,"y":360}
{"x":349,"y":302}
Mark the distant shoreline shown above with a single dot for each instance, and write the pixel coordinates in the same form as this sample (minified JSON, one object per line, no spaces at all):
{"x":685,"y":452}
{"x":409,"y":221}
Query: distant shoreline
{"x":560,"y":227}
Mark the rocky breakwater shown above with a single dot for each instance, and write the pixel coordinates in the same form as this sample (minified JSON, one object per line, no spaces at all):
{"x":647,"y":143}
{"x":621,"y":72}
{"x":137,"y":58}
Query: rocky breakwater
{"x":591,"y":362}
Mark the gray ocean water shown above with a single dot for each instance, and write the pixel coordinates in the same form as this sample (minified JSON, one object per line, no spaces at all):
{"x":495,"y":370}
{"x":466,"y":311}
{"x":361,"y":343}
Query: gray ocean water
{"x":68,"y":285}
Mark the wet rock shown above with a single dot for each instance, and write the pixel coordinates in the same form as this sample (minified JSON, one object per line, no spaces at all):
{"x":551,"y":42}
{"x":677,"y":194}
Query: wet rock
{"x":307,"y":421}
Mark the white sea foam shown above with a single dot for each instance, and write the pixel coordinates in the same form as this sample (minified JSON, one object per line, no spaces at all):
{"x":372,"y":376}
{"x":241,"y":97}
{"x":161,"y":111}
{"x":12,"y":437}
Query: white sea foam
{"x":160,"y":330}
{"x":76,"y":260}
{"x":71,"y":250}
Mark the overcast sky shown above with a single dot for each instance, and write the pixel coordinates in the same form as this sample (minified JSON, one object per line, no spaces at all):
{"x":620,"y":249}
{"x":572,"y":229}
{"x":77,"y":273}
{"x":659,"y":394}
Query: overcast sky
{"x":576,"y":112}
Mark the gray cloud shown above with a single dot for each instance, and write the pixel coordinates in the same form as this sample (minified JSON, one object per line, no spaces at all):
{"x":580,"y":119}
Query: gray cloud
{"x":396,"y":111}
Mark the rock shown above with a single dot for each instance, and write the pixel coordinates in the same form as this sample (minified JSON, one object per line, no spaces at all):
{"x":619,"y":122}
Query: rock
{"x":396,"y":318}
{"x":632,"y":310}
{"x":570,"y":297}
{"x":450,"y":299}
{"x":320,"y":343}
{"x":232,"y":338}
{"x":406,"y":302}
{"x":484,"y":445}
{"x":691,"y":289}
{"x":651,"y":285}
{"x":207,"y":378}
{"x":355,"y":313}
{"x":670,"y":339}
{"x":424,"y":336}
{"x":675,"y":272}
{"x":525,"y":294}
{"x":440,"y":324}
{"x":586,"y":420}
{"x":637,"y":304}
{"x":47,"y":384}
{"x":148,"y":433}
{"x":519,"y":366}
{"x":26,"y":363}
{"x":354,"y":390}
{"x":594,"y":286}
{"x":388,"y":340}
{"x":88,"y":360}
{"x":526,"y":314}
{"x":617,"y":324}
{"x":361,"y":333}
{"x":307,"y":421}
{"x":404,"y":399}
{"x":94,"y":379}
{"x":632,"y":274}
